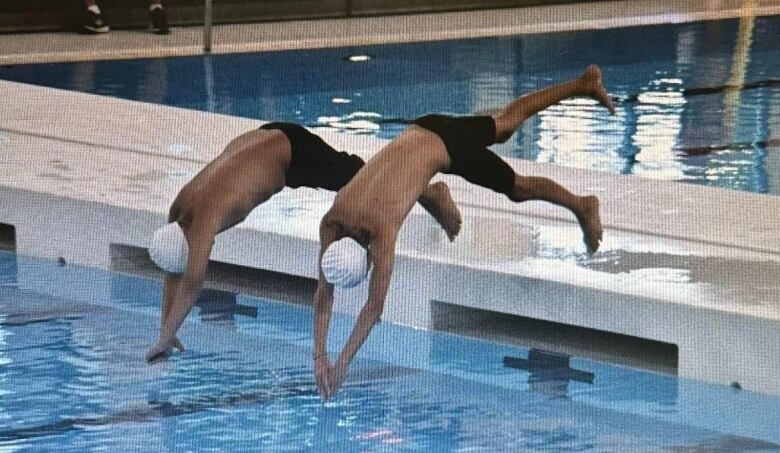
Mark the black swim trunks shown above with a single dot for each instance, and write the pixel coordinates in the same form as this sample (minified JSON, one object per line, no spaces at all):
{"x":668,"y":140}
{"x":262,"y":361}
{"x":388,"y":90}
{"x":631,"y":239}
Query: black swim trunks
{"x":466,"y":140}
{"x":315,"y":163}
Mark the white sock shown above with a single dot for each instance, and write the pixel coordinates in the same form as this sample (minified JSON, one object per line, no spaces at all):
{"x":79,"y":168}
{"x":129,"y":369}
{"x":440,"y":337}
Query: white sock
{"x":94,"y":9}
{"x":155,"y":6}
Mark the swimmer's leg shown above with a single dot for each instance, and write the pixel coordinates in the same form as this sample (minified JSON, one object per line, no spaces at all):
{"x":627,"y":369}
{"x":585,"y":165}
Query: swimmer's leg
{"x":436,"y":199}
{"x":585,"y":208}
{"x":514,"y":114}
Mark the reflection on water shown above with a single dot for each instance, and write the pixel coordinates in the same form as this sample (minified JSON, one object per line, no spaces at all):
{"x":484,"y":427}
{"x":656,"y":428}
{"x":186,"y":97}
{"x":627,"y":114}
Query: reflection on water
{"x":549,"y":372}
{"x":8,"y":268}
{"x":221,"y":307}
{"x":697,"y":102}
{"x":73,"y":378}
{"x":73,"y":385}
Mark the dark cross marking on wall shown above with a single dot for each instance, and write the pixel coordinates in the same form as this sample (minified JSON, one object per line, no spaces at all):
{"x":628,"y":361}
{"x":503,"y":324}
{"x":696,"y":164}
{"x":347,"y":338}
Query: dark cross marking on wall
{"x":550,"y":371}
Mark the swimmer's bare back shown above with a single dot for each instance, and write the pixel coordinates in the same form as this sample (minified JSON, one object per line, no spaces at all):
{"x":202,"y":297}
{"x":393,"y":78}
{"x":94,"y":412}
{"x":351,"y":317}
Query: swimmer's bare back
{"x":380,"y":196}
{"x":249,"y":171}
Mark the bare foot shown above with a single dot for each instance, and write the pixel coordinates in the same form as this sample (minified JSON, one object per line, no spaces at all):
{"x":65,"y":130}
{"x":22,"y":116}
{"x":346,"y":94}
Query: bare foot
{"x":590,"y":222}
{"x":438,"y":202}
{"x":591,"y":78}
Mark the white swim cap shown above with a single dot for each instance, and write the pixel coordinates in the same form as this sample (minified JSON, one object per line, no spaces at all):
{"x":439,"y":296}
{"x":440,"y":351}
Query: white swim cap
{"x":169,"y":248}
{"x":345,"y":263}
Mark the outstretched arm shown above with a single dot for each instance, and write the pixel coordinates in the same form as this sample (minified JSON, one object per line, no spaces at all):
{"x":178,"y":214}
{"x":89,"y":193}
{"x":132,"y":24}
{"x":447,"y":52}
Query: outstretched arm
{"x":323,"y":307}
{"x":382,"y":252}
{"x":200,"y":239}
{"x":170,"y":289}
{"x":171,"y":286}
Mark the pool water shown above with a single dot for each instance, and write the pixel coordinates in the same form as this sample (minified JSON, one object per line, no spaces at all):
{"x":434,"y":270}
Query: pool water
{"x":697,"y":102}
{"x":73,"y":378}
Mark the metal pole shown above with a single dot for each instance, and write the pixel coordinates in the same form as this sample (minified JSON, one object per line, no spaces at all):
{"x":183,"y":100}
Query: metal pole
{"x":207,"y":27}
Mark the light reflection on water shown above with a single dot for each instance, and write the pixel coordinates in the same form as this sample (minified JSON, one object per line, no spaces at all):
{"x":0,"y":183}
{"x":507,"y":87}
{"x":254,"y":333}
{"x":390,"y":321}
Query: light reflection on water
{"x":74,"y":379}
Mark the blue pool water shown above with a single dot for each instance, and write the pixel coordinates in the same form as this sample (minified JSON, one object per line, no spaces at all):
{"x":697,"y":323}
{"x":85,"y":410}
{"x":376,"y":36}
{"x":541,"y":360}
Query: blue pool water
{"x":698,"y":102}
{"x":72,"y":378}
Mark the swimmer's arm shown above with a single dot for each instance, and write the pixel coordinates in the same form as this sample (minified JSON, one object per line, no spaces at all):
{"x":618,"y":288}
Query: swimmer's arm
{"x":172,"y":281}
{"x":323,"y":306}
{"x":201,"y":240}
{"x":382,"y":252}
{"x":170,"y":289}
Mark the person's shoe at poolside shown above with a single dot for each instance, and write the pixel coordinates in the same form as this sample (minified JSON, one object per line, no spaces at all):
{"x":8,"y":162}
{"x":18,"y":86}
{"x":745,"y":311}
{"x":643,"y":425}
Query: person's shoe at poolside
{"x":159,"y":20}
{"x":93,"y":21}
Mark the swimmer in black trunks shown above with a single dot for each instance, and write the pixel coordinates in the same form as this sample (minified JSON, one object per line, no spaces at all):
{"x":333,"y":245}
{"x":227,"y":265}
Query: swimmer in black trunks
{"x":363,"y":223}
{"x":252,"y":168}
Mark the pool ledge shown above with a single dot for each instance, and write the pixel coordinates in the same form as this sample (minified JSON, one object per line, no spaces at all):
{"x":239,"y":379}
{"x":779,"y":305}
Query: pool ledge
{"x":683,"y":264}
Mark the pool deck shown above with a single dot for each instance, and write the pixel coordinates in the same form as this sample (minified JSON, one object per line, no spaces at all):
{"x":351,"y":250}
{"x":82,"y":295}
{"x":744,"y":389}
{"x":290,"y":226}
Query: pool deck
{"x":682,"y":264}
{"x":65,"y":46}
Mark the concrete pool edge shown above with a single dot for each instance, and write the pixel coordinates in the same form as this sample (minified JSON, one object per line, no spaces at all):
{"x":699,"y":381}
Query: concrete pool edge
{"x":78,"y":215}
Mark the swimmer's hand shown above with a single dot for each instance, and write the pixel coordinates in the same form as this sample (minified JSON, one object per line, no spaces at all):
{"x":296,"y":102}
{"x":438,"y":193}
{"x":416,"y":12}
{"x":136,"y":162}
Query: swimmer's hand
{"x":158,"y":353}
{"x":337,"y":374}
{"x":178,"y":344}
{"x":162,"y":350}
{"x":322,"y":371}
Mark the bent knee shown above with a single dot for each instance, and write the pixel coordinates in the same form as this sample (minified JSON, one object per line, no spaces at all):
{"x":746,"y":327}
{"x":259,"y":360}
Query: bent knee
{"x":520,"y":190}
{"x":504,"y":129}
